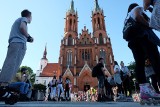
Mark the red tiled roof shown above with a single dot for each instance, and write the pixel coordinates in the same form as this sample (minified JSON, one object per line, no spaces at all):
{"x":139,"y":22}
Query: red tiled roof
{"x":49,"y":70}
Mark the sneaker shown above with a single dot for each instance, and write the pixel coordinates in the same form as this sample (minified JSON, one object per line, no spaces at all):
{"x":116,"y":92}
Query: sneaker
{"x":9,"y":97}
{"x":148,"y":90}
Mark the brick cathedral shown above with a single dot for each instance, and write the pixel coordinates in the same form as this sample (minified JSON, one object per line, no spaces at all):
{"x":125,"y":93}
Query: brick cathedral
{"x":79,"y":52}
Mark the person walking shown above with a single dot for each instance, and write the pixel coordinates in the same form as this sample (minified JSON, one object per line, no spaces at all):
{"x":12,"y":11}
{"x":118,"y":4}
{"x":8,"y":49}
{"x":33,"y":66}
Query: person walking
{"x":16,"y":51}
{"x":60,"y":89}
{"x":141,"y":46}
{"x":101,"y":79}
{"x":126,"y":81}
{"x":67,"y":89}
{"x":53,"y":86}
{"x":117,"y":79}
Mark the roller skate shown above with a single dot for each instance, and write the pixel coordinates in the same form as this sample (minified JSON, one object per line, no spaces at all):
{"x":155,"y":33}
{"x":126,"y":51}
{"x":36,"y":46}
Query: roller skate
{"x":148,"y":95}
{"x":8,"y":96}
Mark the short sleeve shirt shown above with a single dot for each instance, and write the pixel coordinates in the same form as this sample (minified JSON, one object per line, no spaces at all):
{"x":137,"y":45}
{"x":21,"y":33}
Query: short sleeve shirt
{"x":15,"y":34}
{"x":99,"y":68}
{"x":132,"y":13}
{"x":116,"y":68}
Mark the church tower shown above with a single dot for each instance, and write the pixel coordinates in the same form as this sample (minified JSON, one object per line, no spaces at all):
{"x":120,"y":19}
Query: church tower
{"x":68,"y":43}
{"x":101,"y":38}
{"x":44,"y":60}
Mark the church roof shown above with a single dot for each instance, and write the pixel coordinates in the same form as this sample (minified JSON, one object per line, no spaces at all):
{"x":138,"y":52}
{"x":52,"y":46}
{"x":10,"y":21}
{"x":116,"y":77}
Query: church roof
{"x":50,"y":70}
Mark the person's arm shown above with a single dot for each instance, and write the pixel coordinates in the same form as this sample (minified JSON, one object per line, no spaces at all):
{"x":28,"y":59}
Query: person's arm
{"x":107,"y":73}
{"x":140,"y":18}
{"x":23,"y":29}
{"x":146,"y":4}
{"x":103,"y":70}
{"x":24,"y":78}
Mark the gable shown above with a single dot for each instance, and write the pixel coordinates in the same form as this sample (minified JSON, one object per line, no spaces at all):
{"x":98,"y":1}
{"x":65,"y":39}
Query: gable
{"x":85,"y":68}
{"x":68,"y":72}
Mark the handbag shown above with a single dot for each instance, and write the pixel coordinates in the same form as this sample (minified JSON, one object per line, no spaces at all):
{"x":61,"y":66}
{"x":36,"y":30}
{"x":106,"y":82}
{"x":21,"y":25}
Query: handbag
{"x":111,"y":81}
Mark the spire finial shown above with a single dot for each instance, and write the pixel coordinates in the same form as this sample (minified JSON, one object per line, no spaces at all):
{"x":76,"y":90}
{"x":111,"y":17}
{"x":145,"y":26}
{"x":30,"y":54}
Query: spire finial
{"x":45,"y":52}
{"x":72,"y":6}
{"x":96,"y":6}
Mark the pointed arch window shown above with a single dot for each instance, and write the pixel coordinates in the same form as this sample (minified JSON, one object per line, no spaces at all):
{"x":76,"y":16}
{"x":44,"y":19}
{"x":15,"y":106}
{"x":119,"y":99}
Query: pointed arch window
{"x":101,"y":39}
{"x":69,"y":58}
{"x":98,"y":22}
{"x":70,"y":40}
{"x":70,"y":22}
{"x":85,"y":55}
{"x":103,"y":55}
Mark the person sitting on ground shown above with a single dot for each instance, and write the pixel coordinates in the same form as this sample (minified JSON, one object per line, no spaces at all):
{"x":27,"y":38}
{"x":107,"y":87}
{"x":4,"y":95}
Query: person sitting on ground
{"x":19,"y":82}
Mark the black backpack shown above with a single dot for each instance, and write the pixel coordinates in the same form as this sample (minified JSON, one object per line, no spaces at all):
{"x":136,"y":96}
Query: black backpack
{"x":129,"y":29}
{"x":94,"y":71}
{"x":132,"y":29}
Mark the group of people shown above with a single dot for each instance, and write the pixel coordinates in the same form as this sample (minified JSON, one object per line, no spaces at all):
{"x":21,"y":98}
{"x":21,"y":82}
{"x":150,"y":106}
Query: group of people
{"x":106,"y":81}
{"x":56,"y":89}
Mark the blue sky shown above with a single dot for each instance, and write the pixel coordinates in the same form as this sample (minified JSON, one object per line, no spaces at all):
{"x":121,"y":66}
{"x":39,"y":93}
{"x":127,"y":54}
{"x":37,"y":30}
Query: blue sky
{"x":48,"y":26}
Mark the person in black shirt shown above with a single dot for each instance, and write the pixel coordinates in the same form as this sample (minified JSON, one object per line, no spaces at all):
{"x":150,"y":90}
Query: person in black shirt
{"x":101,"y":78}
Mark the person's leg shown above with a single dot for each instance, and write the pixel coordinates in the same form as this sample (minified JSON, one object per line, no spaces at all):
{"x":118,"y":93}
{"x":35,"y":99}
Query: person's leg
{"x":20,"y":86}
{"x":68,"y":93}
{"x":15,"y":55}
{"x":152,"y":53}
{"x":125,"y":87}
{"x":62,"y":91}
{"x":16,"y":86}
{"x":26,"y":88}
{"x":154,"y":56}
{"x":119,"y":88}
{"x":99,"y":88}
{"x":129,"y":88}
{"x":54,"y":91}
{"x":59,"y":91}
{"x":155,"y":83}
{"x":51,"y":93}
{"x":139,"y":56}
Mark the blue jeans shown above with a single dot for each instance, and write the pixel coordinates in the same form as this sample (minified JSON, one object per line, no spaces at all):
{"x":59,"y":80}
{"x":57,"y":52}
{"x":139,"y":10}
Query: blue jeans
{"x":21,"y":86}
{"x":101,"y":80}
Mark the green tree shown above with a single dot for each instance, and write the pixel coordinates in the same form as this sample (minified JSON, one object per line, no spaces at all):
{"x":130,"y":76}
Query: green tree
{"x":30,"y":71}
{"x":131,"y":67}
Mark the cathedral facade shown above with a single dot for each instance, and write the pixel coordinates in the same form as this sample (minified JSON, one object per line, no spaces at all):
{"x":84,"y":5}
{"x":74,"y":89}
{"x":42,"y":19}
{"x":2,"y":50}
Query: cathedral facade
{"x":79,"y":52}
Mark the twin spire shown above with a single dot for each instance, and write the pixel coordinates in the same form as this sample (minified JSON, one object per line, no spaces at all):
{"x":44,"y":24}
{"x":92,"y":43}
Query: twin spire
{"x":96,"y":7}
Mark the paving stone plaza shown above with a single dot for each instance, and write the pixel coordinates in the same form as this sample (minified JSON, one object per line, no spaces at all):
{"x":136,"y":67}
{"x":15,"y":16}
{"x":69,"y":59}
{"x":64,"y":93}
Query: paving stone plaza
{"x":74,"y":104}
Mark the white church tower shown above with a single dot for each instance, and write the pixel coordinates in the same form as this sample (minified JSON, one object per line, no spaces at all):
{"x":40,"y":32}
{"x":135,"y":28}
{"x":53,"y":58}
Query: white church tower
{"x":43,"y":62}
